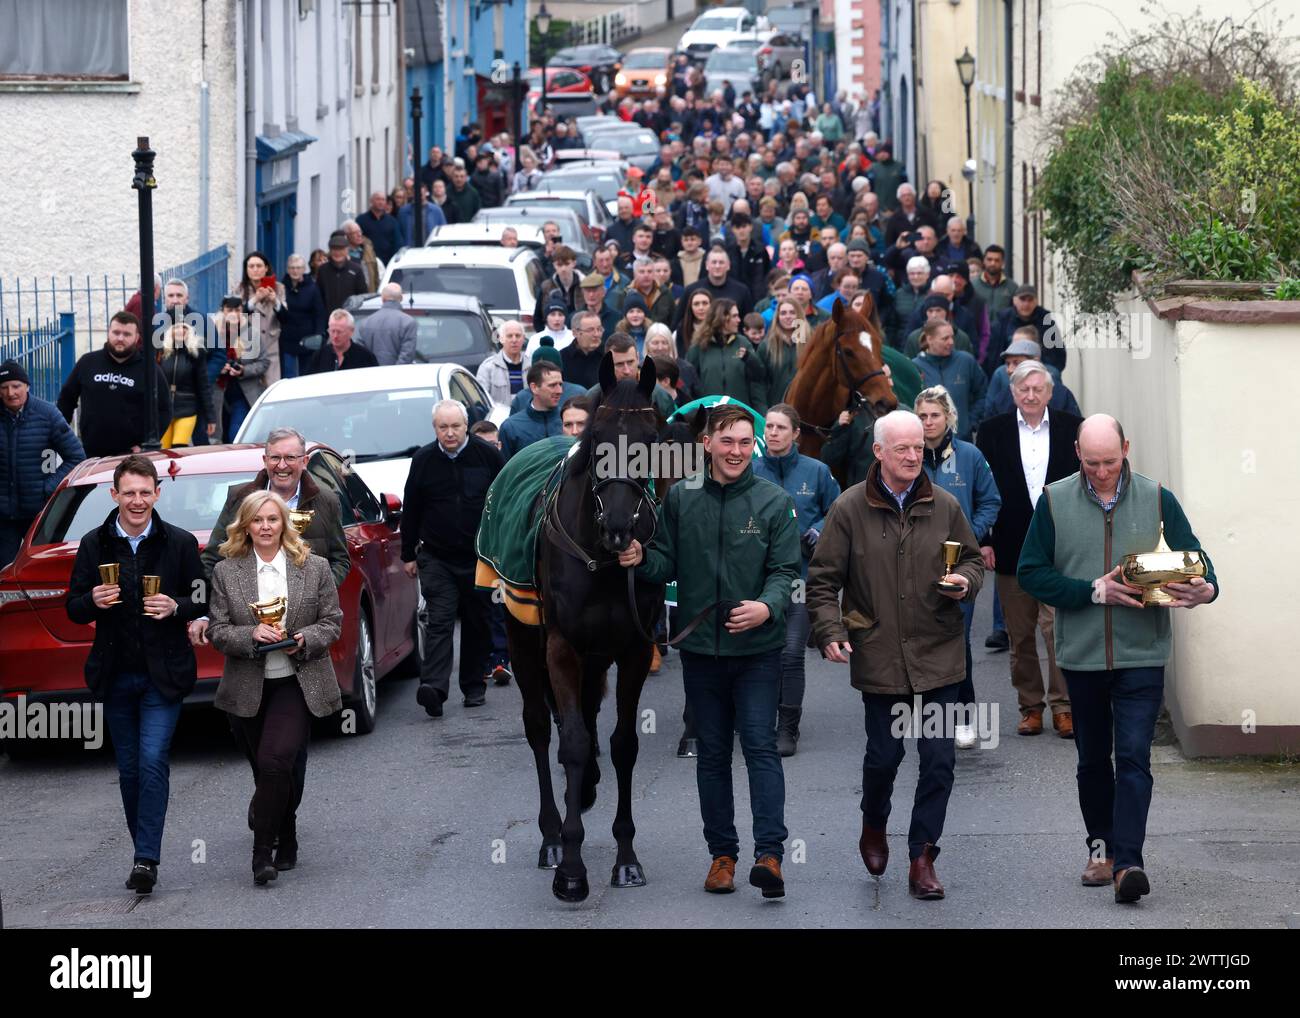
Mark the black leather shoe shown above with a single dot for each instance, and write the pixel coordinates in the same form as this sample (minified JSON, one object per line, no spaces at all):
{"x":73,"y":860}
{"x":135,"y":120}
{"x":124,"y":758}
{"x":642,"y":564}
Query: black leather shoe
{"x":142,"y":877}
{"x":998,"y":640}
{"x":428,"y":698}
{"x":501,"y":675}
{"x":264,"y":870}
{"x":688,"y":748}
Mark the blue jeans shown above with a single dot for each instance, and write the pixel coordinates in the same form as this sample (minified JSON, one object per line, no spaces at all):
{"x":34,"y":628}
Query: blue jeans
{"x":288,"y":364}
{"x":885,"y":753}
{"x":141,"y":723}
{"x":1115,"y":709}
{"x":723,"y":694}
{"x":999,"y":623}
{"x":966,"y":691}
{"x":798,"y":623}
{"x":237,"y":408}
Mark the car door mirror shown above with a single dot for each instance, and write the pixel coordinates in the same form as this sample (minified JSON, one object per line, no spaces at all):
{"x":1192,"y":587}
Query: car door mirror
{"x":392,"y":510}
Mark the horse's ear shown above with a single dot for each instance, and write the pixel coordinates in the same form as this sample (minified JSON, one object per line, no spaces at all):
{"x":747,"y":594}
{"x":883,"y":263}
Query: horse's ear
{"x":649,"y":376}
{"x":837,"y":311}
{"x":700,"y":421}
{"x":607,"y":380}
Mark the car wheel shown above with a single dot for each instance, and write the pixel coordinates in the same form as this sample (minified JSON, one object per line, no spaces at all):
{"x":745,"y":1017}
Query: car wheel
{"x":365,"y":698}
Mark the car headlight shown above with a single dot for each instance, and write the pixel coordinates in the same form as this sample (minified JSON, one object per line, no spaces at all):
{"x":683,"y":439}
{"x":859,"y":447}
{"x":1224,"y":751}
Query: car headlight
{"x":620,"y":78}
{"x":661,"y":79}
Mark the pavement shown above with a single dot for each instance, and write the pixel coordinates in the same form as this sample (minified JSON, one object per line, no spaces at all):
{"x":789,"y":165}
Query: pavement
{"x":432,"y":823}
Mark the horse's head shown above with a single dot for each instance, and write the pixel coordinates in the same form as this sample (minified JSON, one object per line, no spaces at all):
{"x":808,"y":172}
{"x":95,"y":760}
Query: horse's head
{"x":683,"y":432}
{"x":617,"y":452}
{"x":859,"y":364}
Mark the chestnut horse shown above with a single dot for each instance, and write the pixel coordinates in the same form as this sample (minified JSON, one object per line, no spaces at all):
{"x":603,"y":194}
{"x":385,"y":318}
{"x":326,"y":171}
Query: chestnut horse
{"x":840,"y":368}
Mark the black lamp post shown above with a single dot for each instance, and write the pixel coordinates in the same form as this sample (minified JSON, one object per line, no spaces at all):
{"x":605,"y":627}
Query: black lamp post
{"x":519,"y":94}
{"x":417,"y":114}
{"x":966,"y":71}
{"x":144,"y":183}
{"x":543,"y":21}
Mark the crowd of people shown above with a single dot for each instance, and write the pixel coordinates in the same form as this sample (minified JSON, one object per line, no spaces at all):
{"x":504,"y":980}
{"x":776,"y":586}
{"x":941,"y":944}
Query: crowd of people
{"x":758,"y":216}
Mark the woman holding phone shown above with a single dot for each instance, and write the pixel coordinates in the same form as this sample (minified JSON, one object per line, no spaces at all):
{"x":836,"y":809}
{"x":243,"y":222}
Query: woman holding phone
{"x":271,"y":695}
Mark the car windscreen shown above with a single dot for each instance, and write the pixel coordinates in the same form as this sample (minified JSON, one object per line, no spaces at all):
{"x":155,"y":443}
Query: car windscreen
{"x":645,"y":61}
{"x":370,"y":425}
{"x":606,"y":185}
{"x":188,"y":501}
{"x":714,"y":24}
{"x":729,"y":60}
{"x":440,"y":335}
{"x":570,"y":232}
{"x":495,"y":287}
{"x":628,"y":143}
{"x":577,"y":205}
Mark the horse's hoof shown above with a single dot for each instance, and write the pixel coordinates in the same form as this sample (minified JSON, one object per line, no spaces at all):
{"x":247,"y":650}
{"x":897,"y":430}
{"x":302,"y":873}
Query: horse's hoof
{"x":549,"y":857}
{"x":570,"y":888}
{"x":688,"y":748}
{"x":628,"y":875}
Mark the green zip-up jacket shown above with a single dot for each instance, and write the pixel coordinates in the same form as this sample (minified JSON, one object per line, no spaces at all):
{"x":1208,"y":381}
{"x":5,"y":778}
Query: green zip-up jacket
{"x":1072,"y":541}
{"x":780,"y":373}
{"x":727,"y":542}
{"x":723,"y":372}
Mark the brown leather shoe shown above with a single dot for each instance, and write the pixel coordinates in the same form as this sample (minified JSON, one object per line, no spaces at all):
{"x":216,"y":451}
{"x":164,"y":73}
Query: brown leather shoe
{"x":1032,"y":722}
{"x":766,"y":876}
{"x":921,"y":879}
{"x":874,"y":848}
{"x":1098,"y":872}
{"x":722,"y":876}
{"x":1064,"y":724}
{"x":1130,"y":885}
{"x":656,"y":659}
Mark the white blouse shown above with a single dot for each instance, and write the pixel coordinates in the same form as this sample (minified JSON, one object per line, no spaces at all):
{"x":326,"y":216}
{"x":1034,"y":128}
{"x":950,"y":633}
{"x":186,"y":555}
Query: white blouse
{"x":273,"y":582}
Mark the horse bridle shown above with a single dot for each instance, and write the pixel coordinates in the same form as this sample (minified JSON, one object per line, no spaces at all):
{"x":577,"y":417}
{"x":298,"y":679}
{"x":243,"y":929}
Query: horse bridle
{"x":842,"y":360}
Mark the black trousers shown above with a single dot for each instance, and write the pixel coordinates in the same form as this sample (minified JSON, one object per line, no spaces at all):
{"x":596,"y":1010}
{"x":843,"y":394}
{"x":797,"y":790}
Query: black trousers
{"x":449,"y":591}
{"x":275,"y":743}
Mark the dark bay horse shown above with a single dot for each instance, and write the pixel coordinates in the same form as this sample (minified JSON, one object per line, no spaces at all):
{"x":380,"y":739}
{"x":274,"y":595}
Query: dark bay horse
{"x":588,"y":610}
{"x":840,"y":368}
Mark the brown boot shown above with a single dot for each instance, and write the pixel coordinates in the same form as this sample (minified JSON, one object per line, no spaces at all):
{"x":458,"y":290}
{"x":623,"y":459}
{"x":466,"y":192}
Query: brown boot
{"x":874,"y":849}
{"x":921,"y":879}
{"x":656,"y":659}
{"x":766,"y":876}
{"x":1064,"y":724}
{"x":1098,"y":872}
{"x":722,"y":876}
{"x":1032,"y":722}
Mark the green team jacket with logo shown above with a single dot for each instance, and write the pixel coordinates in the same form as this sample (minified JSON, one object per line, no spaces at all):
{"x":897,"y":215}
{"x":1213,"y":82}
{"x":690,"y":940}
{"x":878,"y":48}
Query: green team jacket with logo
{"x":732,"y":542}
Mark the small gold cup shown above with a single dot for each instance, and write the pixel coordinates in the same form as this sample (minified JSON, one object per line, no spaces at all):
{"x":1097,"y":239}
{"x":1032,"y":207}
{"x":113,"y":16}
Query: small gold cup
{"x":108,"y":576}
{"x":272,"y":613}
{"x":301,"y":519}
{"x":150,"y":585}
{"x":951,"y":553}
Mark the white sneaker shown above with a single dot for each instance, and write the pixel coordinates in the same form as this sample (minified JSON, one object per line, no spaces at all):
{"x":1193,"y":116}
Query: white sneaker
{"x":965,"y":736}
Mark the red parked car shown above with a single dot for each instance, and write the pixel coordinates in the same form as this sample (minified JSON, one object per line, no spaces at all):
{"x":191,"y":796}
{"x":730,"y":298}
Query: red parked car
{"x":43,"y":653}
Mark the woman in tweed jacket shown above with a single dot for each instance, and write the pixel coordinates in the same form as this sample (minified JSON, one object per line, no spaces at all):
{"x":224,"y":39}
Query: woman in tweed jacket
{"x":271,"y":697}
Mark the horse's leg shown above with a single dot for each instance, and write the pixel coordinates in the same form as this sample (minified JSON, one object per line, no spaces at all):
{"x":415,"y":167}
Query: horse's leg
{"x":527,"y":657}
{"x":593,"y":691}
{"x":564,"y":665}
{"x":633,"y":667}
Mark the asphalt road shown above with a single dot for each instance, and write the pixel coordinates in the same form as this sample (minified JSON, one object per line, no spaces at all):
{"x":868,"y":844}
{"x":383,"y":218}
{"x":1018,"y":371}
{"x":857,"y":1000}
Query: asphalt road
{"x":433,"y":823}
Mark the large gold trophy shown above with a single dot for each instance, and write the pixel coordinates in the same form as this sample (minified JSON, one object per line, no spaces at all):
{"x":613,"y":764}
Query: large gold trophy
{"x":1151,"y":570}
{"x":272,"y":614}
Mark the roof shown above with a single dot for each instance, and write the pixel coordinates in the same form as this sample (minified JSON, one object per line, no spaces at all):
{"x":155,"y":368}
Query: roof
{"x":485,"y":231}
{"x":424,"y":300}
{"x":422,"y":30}
{"x":331,"y":383}
{"x":472,"y":254}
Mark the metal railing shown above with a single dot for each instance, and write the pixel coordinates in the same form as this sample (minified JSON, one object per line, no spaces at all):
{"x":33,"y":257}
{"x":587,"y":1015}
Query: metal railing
{"x":46,"y":350}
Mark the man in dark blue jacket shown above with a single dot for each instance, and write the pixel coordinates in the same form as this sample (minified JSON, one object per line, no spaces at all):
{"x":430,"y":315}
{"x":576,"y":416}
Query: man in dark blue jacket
{"x":32,"y":431}
{"x":541,"y":417}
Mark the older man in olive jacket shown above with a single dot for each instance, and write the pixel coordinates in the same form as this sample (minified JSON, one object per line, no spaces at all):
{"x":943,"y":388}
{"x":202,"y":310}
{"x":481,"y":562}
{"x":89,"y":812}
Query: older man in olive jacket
{"x":902,"y":634}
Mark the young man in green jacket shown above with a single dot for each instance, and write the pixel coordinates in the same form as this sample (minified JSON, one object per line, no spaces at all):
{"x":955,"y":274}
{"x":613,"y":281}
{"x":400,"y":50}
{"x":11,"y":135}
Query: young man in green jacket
{"x":1110,"y":647}
{"x":732,"y":544}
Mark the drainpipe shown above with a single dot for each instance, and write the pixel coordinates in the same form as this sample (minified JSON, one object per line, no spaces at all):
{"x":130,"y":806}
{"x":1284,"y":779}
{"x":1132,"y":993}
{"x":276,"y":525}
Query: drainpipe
{"x":205,"y":181}
{"x":250,"y":130}
{"x":1009,"y":156}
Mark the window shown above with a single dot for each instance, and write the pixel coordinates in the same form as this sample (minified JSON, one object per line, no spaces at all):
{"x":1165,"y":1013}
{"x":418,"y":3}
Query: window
{"x":465,"y":389}
{"x":37,"y":41}
{"x":326,"y":471}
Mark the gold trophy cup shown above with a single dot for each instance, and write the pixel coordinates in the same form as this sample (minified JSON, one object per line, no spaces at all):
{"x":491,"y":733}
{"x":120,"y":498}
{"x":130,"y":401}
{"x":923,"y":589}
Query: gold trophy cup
{"x":301,"y":519}
{"x":272,"y":614}
{"x":1151,"y":570}
{"x":951,"y":553}
{"x":108,"y":576}
{"x":150,"y":585}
